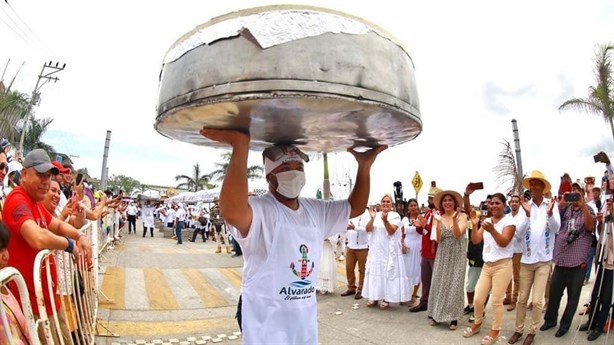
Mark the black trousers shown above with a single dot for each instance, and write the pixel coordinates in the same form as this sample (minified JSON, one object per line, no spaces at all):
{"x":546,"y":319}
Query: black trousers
{"x":601,"y":301}
{"x":196,"y":231}
{"x":131,"y":223}
{"x":570,"y":278}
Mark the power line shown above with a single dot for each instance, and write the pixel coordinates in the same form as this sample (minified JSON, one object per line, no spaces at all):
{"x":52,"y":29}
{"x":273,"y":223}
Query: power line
{"x":16,"y":33}
{"x":24,"y":23}
{"x":16,"y":25}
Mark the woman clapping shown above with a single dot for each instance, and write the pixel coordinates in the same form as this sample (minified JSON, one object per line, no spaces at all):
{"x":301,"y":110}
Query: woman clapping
{"x":497,"y":233}
{"x":385,"y":276}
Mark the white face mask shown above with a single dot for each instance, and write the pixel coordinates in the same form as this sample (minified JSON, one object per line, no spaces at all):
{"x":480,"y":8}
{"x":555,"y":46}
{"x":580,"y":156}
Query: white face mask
{"x":290,"y":183}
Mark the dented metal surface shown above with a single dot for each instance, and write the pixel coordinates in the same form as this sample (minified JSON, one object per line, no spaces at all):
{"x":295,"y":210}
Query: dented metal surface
{"x":315,"y":78}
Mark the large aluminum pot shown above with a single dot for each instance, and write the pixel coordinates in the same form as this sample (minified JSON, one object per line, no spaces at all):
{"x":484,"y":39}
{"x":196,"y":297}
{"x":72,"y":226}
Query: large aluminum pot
{"x":318,"y":78}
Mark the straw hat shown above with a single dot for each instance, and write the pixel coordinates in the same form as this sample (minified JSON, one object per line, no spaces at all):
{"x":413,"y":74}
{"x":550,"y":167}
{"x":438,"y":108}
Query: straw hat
{"x":439,"y":196}
{"x":536,"y":175}
{"x":433,"y":191}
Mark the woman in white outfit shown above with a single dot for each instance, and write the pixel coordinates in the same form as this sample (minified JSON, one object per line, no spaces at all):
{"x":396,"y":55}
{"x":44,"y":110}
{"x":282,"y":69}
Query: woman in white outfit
{"x":327,"y":273}
{"x":385,"y":277}
{"x":411,"y":246}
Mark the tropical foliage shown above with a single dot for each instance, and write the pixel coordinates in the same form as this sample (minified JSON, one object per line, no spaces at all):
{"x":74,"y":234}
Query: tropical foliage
{"x":13,"y":106}
{"x":122,"y":182}
{"x":253,"y":172}
{"x":506,"y":171}
{"x":34,"y":133}
{"x":600,"y":99}
{"x":196,"y":182}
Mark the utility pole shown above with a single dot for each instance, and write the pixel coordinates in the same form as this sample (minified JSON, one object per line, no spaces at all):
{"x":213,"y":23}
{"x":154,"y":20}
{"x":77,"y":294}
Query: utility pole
{"x":517,"y":146}
{"x":105,"y":171}
{"x":36,"y":95}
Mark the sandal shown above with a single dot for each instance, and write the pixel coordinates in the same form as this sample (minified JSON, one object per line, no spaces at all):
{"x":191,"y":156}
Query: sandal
{"x":453,"y":325}
{"x":384,"y":305}
{"x":371,"y":304}
{"x":434,"y":323}
{"x":488,"y":340}
{"x":471,"y":331}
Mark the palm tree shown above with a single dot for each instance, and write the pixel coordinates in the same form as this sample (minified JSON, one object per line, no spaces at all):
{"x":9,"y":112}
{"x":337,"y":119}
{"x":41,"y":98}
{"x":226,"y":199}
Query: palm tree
{"x":507,"y":171}
{"x":196,"y":181}
{"x":13,"y":106}
{"x":34,"y":134}
{"x":600,"y":98}
{"x":253,"y":172}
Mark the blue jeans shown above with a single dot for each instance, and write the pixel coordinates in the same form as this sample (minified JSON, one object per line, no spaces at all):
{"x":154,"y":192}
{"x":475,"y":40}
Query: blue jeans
{"x":178,"y":230}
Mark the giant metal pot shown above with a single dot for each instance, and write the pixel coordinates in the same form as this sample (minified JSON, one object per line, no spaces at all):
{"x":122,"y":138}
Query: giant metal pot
{"x":318,"y":78}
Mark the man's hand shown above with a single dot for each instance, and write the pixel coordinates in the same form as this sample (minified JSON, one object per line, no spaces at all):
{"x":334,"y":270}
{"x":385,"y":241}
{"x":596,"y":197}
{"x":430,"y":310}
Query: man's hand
{"x":368,"y":157}
{"x":550,"y":207}
{"x":230,"y":137}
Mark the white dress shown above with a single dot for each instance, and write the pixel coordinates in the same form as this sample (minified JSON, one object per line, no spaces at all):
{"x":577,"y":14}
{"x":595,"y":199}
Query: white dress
{"x":327,"y":273}
{"x":385,"y":276}
{"x":413,"y":242}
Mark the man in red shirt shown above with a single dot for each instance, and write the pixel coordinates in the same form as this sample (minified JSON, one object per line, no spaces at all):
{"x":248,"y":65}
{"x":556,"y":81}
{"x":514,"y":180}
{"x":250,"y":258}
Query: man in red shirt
{"x":429,"y":248}
{"x":33,"y":228}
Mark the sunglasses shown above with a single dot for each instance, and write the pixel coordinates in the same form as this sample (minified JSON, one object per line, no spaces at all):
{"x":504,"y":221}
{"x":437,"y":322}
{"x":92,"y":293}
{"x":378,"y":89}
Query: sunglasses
{"x":274,"y":153}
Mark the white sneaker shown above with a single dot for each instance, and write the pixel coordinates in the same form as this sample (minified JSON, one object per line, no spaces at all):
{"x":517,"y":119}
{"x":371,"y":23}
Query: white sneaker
{"x":341,"y":258}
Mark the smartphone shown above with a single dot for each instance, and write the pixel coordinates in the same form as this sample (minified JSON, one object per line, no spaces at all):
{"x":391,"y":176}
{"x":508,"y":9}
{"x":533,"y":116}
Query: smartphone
{"x":477,"y":185}
{"x":572,"y":197}
{"x":79,"y":178}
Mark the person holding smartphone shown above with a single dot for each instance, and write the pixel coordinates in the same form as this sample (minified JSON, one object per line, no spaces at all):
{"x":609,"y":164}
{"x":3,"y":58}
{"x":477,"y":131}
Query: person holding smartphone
{"x":571,"y":251}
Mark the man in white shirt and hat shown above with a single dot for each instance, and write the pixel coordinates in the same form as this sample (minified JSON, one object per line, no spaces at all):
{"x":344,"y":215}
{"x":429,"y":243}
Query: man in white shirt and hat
{"x":281,"y":236}
{"x":537,"y":251}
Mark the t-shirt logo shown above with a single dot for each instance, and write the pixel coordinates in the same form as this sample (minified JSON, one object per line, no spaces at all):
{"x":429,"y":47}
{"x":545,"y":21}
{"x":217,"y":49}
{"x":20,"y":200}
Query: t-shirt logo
{"x":301,"y":289}
{"x":304,"y":264}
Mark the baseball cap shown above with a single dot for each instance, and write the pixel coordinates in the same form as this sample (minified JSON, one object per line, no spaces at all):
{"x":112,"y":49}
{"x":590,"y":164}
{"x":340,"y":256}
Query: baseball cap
{"x":39,"y":160}
{"x":60,"y":167}
{"x":14,"y":166}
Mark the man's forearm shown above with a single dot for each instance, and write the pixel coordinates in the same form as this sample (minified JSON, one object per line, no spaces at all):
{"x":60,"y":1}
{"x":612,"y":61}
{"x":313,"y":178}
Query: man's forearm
{"x":360,"y":194}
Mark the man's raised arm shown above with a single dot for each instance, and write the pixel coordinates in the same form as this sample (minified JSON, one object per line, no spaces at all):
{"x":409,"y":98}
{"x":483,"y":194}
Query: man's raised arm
{"x":233,"y":196}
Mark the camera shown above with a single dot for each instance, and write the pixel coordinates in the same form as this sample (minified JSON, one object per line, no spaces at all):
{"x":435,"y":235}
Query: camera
{"x":572,"y":235}
{"x":398,"y":192}
{"x":572,"y":197}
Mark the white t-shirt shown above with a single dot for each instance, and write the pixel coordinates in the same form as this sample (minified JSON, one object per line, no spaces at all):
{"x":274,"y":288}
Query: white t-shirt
{"x":281,"y":260}
{"x":180,"y":214}
{"x":492,"y":252}
{"x":331,"y":217}
{"x":170,"y":216}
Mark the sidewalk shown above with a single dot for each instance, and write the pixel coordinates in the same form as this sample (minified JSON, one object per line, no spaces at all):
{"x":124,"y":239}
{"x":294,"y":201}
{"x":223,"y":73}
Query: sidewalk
{"x":163,"y":292}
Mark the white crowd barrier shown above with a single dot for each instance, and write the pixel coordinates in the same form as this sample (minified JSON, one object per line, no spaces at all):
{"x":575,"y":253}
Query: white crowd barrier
{"x":73,"y":283}
{"x":7,"y":275}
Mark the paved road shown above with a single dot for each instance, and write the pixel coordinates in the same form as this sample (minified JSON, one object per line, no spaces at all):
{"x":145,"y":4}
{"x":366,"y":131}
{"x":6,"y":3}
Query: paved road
{"x":157,"y":291}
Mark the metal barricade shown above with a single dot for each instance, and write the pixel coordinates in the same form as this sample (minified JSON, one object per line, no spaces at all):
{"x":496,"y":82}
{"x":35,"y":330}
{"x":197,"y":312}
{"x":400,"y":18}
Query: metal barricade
{"x":73,"y":321}
{"x":7,"y":275}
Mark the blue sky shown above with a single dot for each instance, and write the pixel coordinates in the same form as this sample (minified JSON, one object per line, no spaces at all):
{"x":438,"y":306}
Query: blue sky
{"x":479,"y":64}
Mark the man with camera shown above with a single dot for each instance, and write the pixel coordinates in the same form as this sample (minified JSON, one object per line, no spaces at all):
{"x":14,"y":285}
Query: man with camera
{"x":571,"y":250}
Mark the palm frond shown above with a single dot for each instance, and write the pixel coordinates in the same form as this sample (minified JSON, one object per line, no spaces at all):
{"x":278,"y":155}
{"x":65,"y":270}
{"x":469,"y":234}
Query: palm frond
{"x":506,"y":170}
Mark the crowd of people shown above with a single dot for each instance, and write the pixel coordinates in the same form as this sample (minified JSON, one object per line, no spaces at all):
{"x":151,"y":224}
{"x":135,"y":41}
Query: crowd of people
{"x":450,"y":259}
{"x":526,"y":245}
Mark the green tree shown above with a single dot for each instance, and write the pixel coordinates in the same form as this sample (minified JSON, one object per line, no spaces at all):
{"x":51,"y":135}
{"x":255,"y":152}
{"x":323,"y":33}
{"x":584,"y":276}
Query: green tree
{"x":600,"y":99}
{"x":253,"y":172}
{"x":125,"y":183}
{"x":13,"y":106}
{"x":34,"y":133}
{"x":195,"y":182}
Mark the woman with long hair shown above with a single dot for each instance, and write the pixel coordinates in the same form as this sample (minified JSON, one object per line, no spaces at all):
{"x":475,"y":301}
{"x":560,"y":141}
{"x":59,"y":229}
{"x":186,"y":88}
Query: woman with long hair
{"x":447,"y":286}
{"x":497,"y":233}
{"x":385,"y":276}
{"x":411,"y":244}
